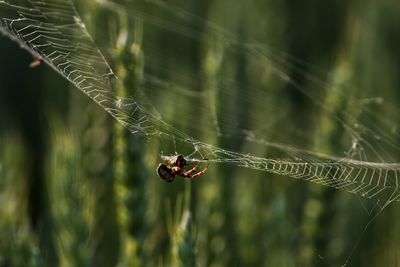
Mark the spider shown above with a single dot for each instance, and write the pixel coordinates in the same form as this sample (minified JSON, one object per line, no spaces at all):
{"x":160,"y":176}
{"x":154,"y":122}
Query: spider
{"x":167,"y":173}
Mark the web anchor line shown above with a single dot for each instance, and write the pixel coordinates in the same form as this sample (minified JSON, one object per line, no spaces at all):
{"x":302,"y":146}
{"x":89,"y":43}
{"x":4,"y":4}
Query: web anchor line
{"x":377,"y":181}
{"x":53,"y":32}
{"x":365,"y":181}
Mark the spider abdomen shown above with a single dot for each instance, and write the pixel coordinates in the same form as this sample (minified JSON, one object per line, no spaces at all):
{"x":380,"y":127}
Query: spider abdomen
{"x":165,"y":173}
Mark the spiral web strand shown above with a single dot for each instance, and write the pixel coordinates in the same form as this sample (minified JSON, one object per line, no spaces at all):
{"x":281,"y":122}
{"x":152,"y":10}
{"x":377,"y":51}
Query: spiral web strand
{"x":377,"y":181}
{"x":53,"y":32}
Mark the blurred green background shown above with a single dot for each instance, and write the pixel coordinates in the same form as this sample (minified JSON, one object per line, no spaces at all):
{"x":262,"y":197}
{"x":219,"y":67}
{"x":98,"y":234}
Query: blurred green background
{"x":77,"y":189}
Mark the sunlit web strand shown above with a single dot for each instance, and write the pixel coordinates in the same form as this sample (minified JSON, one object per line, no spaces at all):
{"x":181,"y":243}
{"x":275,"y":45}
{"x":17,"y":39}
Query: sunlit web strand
{"x":53,"y":32}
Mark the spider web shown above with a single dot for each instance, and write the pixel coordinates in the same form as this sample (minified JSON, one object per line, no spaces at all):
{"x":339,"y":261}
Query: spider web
{"x":53,"y":32}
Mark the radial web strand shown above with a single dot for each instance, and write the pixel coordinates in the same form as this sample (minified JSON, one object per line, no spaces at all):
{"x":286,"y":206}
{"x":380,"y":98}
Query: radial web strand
{"x":53,"y":32}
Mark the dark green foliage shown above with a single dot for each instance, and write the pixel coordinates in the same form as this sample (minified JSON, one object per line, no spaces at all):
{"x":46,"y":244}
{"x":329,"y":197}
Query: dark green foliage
{"x":79,"y":189}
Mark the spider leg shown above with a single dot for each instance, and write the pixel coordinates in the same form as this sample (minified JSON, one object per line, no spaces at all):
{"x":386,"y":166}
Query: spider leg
{"x":189,"y":173}
{"x":200,"y":173}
